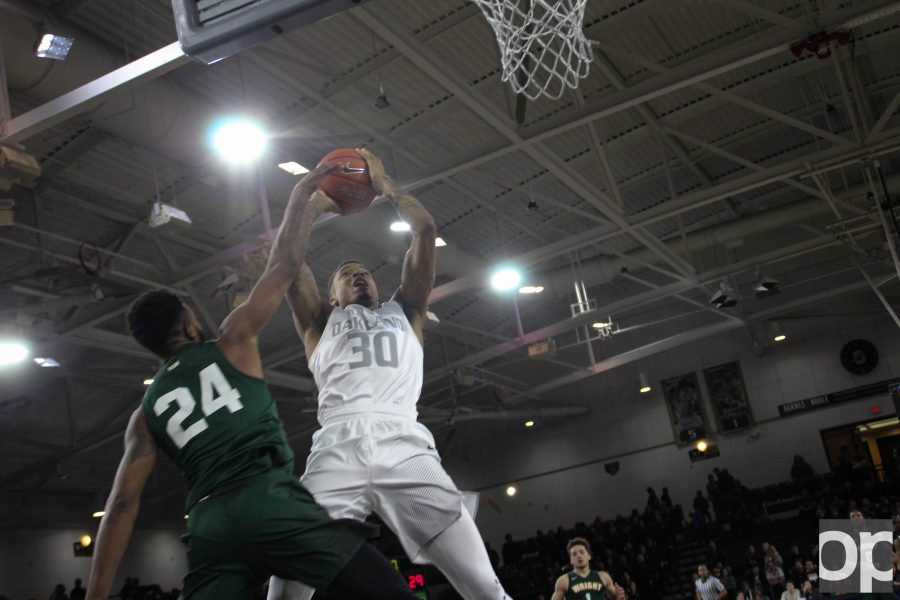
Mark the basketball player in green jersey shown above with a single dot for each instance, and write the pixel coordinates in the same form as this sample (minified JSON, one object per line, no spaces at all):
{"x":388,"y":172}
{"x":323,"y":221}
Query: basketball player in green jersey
{"x":210,"y":411}
{"x":581,"y":583}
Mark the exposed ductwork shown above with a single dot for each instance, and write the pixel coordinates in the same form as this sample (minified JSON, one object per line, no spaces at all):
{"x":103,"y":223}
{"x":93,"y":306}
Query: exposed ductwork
{"x":603,"y":269}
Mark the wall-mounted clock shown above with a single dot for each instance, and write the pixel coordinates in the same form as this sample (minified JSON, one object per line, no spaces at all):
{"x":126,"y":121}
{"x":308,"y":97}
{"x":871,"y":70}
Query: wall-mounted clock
{"x":859,"y":356}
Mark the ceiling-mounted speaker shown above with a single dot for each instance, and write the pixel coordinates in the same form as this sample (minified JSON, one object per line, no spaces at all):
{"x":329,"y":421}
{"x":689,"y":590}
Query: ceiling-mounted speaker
{"x":210,"y":30}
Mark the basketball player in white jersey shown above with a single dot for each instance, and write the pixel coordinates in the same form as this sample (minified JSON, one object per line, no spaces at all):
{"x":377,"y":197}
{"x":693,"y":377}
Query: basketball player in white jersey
{"x":371,"y":455}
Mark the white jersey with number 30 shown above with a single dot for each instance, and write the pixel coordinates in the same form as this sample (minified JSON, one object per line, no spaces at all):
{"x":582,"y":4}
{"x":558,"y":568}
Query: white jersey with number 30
{"x":367,"y":361}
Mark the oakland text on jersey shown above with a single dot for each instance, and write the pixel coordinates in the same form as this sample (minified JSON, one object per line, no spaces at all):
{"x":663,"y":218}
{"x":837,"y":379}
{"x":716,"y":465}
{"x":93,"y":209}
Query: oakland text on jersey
{"x":366,"y":322}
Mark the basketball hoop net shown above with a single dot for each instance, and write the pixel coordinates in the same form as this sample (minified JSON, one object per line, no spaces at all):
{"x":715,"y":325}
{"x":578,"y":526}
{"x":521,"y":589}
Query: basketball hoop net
{"x":543,"y":49}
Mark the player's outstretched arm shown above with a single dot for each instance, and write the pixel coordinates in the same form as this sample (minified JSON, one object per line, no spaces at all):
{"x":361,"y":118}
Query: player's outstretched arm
{"x":310,"y":313}
{"x":560,"y":589}
{"x":122,"y":506}
{"x":419,"y":263}
{"x":285,"y":258}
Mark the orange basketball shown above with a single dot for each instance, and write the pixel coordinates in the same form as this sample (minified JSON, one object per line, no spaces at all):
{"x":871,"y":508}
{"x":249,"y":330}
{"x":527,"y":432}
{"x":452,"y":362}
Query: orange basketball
{"x":350,"y":186}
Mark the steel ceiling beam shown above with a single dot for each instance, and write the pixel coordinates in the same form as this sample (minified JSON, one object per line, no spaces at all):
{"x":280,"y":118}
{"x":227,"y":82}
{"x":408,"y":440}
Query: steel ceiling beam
{"x":45,"y":116}
{"x":781,"y":172}
{"x":699,"y":69}
{"x":624,"y":304}
{"x":696,"y":335}
{"x":431,"y":65}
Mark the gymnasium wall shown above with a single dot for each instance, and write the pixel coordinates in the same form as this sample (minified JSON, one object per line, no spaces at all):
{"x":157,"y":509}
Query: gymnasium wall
{"x":558,"y":466}
{"x":32,"y":561}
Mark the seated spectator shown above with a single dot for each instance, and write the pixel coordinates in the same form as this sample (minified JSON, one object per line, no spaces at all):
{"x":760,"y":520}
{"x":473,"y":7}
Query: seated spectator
{"x":652,"y":501}
{"x":807,"y":591}
{"x":59,"y":592}
{"x":775,"y":578}
{"x":78,"y":592}
{"x":797,"y":572}
{"x":701,"y":505}
{"x":760,"y":593}
{"x":510,"y":551}
{"x":729,"y":581}
{"x":809,"y":573}
{"x":770,"y":553}
{"x":801,"y":470}
{"x":665,"y":498}
{"x":790,"y":593}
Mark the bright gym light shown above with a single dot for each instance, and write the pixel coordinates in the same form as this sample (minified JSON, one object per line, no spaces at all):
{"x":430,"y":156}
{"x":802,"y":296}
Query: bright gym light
{"x":531,"y":289}
{"x":98,"y":514}
{"x":400,"y":226}
{"x":529,"y":423}
{"x":780,"y":337}
{"x":53,"y":46}
{"x":148,"y":382}
{"x":46,"y":362}
{"x":294,"y":168}
{"x":12,"y":353}
{"x":511,"y":491}
{"x":239,"y":140}
{"x":506,"y":278}
{"x":645,"y":385}
{"x":439,"y":242}
{"x":702,"y":446}
{"x":86,"y":541}
{"x":601,"y":325}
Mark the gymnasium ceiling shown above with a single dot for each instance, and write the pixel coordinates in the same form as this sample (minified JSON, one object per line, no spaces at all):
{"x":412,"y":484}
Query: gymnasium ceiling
{"x":700,"y":150}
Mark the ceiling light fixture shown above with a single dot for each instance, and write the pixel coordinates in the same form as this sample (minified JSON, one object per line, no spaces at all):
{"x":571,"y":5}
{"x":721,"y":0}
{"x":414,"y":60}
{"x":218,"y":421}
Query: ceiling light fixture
{"x":531,"y":289}
{"x":98,"y":514}
{"x":294,"y":168}
{"x":239,"y":140}
{"x":645,"y":385}
{"x":12,"y":352}
{"x":724,"y":297}
{"x":511,"y":491}
{"x":50,"y":45}
{"x":46,"y":362}
{"x":702,"y":446}
{"x":506,"y":278}
{"x":399,"y":226}
{"x":777,"y":332}
{"x":439,"y":242}
{"x":148,"y":382}
{"x":529,"y":423}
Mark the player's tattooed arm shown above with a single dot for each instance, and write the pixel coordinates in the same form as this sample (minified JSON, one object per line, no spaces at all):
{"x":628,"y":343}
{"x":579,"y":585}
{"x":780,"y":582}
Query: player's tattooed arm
{"x":309,"y":311}
{"x":419,"y":263}
{"x":122,"y":506}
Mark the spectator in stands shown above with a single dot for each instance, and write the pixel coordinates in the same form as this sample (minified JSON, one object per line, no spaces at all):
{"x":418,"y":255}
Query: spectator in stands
{"x":707,"y":587}
{"x":712,"y":488}
{"x":665,"y":498}
{"x":775,"y":578}
{"x":809,"y":573}
{"x":714,"y":556}
{"x":493,"y":556}
{"x":771,"y":554}
{"x":797,"y":572}
{"x":59,"y":592}
{"x":510,"y":551}
{"x":729,"y":581}
{"x":760,"y":592}
{"x":791,"y":592}
{"x":801,"y":470}
{"x":701,"y":505}
{"x":807,"y":591}
{"x":652,"y":501}
{"x":78,"y":592}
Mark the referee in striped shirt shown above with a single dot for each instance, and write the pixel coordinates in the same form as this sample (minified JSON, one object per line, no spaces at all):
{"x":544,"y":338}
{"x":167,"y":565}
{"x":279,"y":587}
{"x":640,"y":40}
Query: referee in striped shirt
{"x":708,"y":587}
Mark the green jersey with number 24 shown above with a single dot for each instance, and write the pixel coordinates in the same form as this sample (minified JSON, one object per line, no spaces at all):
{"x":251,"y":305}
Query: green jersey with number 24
{"x":218,"y":424}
